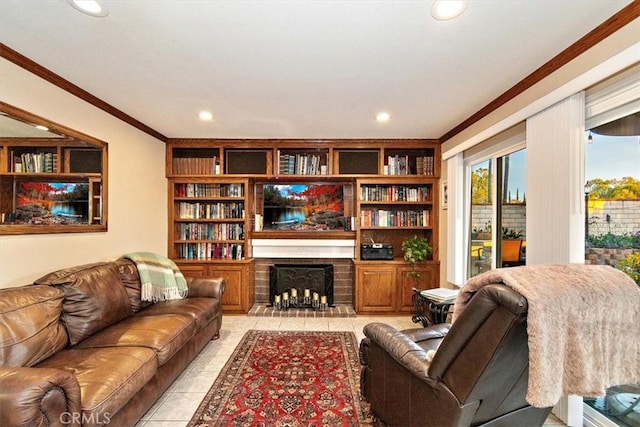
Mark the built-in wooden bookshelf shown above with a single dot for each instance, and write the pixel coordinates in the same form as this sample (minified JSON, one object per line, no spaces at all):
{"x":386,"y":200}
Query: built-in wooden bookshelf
{"x":209,"y":220}
{"x":389,"y":189}
{"x":208,"y":233}
{"x":393,"y":209}
{"x":352,"y":158}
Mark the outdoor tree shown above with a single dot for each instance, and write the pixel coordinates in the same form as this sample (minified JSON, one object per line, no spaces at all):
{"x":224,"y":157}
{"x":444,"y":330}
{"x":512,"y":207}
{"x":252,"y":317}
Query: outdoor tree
{"x":480,"y":187}
{"x":627,"y":188}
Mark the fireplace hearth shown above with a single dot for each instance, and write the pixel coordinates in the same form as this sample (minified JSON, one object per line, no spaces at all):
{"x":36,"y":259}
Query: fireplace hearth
{"x":301,"y":286}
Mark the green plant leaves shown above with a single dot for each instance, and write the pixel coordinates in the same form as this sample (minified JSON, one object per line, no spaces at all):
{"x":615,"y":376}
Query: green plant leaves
{"x":416,"y":249}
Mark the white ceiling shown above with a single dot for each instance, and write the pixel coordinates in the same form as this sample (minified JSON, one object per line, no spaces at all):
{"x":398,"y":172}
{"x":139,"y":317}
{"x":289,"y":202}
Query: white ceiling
{"x":297,"y":69}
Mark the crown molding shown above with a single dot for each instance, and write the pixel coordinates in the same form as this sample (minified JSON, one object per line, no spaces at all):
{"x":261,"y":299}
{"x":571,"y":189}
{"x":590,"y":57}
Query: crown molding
{"x":625,"y":16}
{"x":22,"y":61}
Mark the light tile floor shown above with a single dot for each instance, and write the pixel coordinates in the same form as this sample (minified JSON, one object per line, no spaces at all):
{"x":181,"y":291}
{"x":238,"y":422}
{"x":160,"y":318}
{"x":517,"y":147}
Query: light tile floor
{"x":177,"y":405}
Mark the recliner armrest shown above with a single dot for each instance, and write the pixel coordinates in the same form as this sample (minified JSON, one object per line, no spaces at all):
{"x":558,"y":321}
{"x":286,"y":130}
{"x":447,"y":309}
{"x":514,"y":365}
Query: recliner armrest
{"x":430,"y":332}
{"x":39,"y":396}
{"x":211,"y":287}
{"x":400,"y":347}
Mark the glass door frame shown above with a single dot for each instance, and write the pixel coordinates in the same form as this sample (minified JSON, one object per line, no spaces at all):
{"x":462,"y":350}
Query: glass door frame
{"x":492,"y":154}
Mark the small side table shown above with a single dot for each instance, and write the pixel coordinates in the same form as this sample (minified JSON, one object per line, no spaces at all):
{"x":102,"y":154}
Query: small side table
{"x":429,"y":312}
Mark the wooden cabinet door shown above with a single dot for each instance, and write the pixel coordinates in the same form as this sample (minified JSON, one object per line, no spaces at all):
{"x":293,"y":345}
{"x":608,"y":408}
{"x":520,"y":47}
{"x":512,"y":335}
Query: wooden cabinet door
{"x":428,"y":279}
{"x":192,"y":270}
{"x":238,"y":296}
{"x":375,"y":288}
{"x":232,"y":299}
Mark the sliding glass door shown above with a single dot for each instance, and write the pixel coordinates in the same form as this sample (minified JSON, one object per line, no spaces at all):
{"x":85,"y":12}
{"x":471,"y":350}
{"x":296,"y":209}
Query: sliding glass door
{"x":482,"y":214}
{"x":497,"y":188}
{"x":612,"y":192}
{"x":511,"y":212}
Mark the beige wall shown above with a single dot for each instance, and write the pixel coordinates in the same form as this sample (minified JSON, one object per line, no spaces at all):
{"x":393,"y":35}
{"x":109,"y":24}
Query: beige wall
{"x":137,"y":217}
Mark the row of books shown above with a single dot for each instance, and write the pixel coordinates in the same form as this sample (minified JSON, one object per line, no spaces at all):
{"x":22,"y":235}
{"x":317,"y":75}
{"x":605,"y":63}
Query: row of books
{"x":425,"y":165}
{"x":206,"y":251}
{"x":200,"y":231}
{"x":209,"y":190}
{"x":301,"y":164}
{"x":402,"y":165}
{"x":211,"y":210}
{"x":35,"y":162}
{"x":385,"y":218}
{"x":196,"y":165}
{"x":394,"y":193}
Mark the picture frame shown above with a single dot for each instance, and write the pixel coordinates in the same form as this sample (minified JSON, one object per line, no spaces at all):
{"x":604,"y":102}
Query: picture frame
{"x":445,"y":194}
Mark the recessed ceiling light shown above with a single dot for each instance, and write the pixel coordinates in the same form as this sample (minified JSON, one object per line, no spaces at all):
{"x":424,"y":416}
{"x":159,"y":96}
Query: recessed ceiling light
{"x":443,"y":10}
{"x":205,"y":116}
{"x":44,"y":128}
{"x":90,"y":7}
{"x":383,"y":117}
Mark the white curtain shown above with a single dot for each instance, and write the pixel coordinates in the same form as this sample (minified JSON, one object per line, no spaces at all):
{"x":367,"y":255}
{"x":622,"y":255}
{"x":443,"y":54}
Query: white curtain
{"x":555,"y":183}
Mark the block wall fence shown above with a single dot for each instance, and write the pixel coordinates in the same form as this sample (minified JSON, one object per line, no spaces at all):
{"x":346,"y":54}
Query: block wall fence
{"x":605,"y":216}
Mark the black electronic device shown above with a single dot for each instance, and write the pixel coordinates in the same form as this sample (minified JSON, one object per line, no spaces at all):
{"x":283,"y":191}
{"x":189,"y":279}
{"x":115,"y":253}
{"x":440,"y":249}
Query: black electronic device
{"x":376,"y":251}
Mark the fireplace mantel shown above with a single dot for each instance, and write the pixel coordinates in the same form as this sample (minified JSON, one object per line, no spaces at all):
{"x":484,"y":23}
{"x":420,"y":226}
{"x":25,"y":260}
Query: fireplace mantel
{"x":303,"y":248}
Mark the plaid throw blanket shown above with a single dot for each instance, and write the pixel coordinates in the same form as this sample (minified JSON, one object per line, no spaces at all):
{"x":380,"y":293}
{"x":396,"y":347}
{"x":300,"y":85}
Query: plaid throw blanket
{"x":160,"y":277}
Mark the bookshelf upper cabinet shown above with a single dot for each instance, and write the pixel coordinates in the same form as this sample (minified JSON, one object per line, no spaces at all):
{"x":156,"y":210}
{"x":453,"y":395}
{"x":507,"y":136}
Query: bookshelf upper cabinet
{"x":303,"y":158}
{"x":52,"y":179}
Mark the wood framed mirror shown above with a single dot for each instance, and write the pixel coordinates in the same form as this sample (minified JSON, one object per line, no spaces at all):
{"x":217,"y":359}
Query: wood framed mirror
{"x":53,"y":179}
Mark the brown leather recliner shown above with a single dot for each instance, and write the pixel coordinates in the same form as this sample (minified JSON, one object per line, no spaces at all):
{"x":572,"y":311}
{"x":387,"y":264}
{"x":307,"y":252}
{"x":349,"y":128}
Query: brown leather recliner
{"x":478,"y":376}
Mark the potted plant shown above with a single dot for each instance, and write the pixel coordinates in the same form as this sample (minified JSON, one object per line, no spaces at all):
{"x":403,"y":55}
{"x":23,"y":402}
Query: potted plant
{"x":511,"y":234}
{"x":414,"y":250}
{"x":511,"y":249}
{"x":482,"y":233}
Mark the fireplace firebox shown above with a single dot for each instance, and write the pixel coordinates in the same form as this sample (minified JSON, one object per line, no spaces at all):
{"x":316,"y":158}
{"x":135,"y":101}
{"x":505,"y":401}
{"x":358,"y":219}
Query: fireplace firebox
{"x":306,"y":285}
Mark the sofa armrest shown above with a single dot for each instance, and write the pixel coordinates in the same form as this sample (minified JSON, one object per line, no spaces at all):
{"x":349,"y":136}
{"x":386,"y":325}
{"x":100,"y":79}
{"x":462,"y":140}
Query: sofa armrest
{"x":39,"y":396}
{"x":211,"y":287}
{"x":400,"y":347}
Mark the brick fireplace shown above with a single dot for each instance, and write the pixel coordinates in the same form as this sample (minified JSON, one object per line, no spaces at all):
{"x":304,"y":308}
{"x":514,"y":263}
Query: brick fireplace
{"x":342,"y":276}
{"x":313,"y":283}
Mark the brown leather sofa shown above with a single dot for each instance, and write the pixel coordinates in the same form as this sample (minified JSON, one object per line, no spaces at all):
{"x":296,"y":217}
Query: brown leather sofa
{"x":79,"y":347}
{"x":478,"y":375}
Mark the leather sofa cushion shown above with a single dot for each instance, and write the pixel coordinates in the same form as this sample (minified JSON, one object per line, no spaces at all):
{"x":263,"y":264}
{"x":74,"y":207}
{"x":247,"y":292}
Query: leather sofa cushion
{"x":94,"y":298}
{"x":131,"y":281}
{"x":108,"y":377}
{"x":30,"y":328}
{"x":202,"y":310}
{"x":165,"y":334}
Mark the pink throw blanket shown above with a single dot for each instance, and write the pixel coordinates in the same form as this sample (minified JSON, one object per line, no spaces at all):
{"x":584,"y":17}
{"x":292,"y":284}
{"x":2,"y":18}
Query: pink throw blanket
{"x":583,"y":327}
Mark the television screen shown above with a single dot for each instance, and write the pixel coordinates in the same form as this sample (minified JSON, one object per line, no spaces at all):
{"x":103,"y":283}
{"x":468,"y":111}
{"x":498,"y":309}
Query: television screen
{"x":51,"y":203}
{"x":302,"y":207}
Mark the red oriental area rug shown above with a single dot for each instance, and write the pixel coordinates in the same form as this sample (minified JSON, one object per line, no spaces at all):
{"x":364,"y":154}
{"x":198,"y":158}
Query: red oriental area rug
{"x":287,"y":378}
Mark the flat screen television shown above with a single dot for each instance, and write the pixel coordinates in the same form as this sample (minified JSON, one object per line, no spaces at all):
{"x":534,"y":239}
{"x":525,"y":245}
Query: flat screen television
{"x":303,"y":207}
{"x":51,"y":203}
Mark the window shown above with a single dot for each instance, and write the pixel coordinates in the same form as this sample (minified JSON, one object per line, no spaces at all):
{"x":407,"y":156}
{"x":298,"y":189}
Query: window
{"x":496,"y":183}
{"x":482,"y":215}
{"x":612,"y":155}
{"x":612,"y":229}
